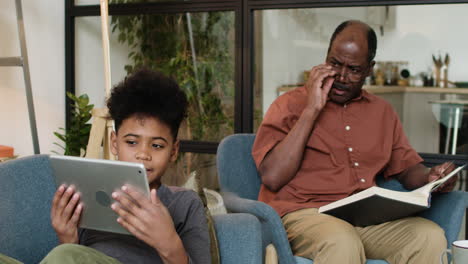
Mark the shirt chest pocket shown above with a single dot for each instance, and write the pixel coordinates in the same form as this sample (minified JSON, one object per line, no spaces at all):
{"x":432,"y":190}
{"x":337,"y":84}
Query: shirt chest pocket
{"x":318,"y":154}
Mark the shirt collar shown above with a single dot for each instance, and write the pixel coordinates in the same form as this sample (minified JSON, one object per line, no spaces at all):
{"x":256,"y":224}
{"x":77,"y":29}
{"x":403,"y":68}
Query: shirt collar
{"x":363,"y":96}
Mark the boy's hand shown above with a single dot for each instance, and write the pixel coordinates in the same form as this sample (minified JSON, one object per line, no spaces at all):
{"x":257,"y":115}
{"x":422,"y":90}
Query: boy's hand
{"x":65,"y":214}
{"x":149,"y":220}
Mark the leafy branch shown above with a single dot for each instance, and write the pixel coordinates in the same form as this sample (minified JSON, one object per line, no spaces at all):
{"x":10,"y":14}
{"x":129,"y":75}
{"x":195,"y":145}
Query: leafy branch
{"x":75,"y":138}
{"x":162,"y":42}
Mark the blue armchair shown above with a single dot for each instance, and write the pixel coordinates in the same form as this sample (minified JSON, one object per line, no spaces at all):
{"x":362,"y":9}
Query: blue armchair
{"x":240,"y":185}
{"x":26,"y":191}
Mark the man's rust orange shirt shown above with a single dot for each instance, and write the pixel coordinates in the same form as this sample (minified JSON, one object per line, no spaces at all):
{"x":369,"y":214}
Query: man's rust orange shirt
{"x":349,"y":146}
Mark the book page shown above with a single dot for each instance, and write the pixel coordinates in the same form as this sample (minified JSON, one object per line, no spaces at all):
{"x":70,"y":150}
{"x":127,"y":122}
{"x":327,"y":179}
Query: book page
{"x":375,"y":191}
{"x":428,"y":188}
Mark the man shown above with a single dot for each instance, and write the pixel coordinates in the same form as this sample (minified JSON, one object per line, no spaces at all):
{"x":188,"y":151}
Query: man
{"x":328,"y":140}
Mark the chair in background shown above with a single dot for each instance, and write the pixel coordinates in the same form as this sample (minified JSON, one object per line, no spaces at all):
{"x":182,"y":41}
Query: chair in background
{"x":240,"y":184}
{"x":26,"y":191}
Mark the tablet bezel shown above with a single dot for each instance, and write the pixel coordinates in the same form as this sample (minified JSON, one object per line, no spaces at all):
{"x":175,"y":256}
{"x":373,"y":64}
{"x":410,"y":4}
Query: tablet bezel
{"x":91,"y":176}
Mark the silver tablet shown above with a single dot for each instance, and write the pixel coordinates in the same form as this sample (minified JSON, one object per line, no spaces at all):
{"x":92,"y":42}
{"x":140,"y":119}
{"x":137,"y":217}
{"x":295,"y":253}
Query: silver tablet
{"x":96,"y":180}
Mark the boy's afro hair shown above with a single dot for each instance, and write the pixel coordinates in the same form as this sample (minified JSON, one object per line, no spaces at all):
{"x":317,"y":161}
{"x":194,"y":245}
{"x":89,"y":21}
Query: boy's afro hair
{"x":148,"y":93}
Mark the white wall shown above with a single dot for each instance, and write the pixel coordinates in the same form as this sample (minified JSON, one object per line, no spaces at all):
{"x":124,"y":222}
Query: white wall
{"x":425,"y":30}
{"x":44,"y":25}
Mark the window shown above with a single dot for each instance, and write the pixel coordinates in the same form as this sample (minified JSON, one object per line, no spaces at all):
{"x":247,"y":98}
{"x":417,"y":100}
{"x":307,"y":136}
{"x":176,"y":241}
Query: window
{"x":196,"y":49}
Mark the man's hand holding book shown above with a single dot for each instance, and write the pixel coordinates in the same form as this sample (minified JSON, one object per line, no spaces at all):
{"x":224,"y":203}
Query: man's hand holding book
{"x":440,"y":171}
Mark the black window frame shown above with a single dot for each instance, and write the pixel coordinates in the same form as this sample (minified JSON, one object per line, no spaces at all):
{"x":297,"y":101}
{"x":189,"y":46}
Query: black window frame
{"x":244,"y":52}
{"x":72,"y":11}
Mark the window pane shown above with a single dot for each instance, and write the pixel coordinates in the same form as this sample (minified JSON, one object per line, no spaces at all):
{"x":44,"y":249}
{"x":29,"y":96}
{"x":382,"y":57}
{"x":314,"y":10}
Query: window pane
{"x":89,"y":59}
{"x":196,"y":49}
{"x":289,"y":42}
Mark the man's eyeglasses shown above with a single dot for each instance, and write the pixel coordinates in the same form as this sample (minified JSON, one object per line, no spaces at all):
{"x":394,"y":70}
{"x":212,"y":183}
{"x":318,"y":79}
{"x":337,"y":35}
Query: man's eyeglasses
{"x":353,"y":74}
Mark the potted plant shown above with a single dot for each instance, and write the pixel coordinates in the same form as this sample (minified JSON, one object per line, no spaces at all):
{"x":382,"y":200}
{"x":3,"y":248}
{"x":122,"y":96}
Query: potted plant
{"x":75,"y":138}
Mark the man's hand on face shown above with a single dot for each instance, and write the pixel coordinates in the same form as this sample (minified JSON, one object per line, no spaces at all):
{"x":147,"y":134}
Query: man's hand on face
{"x":318,"y":86}
{"x":440,"y":171}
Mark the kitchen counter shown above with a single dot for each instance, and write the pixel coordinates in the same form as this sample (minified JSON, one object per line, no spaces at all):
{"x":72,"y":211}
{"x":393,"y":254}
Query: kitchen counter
{"x":412,"y":89}
{"x":419,"y":115}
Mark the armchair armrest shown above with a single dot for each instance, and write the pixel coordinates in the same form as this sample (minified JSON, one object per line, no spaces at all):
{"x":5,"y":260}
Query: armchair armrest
{"x":271,"y":224}
{"x":239,"y":238}
{"x":447,"y":211}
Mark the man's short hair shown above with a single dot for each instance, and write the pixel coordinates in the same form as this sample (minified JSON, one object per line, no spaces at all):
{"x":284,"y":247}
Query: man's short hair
{"x":148,"y":93}
{"x":371,"y":38}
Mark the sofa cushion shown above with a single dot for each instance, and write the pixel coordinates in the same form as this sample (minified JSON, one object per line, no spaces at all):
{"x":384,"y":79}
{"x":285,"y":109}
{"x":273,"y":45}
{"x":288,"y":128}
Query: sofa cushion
{"x":26,"y":192}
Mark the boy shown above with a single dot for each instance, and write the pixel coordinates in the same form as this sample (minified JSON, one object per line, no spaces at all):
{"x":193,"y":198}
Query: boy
{"x":168,"y":227}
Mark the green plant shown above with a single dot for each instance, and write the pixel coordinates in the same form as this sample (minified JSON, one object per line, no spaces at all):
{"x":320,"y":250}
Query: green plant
{"x":75,"y":138}
{"x":204,"y":67}
{"x":197,"y":51}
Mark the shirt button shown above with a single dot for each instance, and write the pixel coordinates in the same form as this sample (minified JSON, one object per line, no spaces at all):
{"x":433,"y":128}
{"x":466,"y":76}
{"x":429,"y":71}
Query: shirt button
{"x":363,"y":180}
{"x":356,"y":164}
{"x":347,"y":127}
{"x":350,"y":149}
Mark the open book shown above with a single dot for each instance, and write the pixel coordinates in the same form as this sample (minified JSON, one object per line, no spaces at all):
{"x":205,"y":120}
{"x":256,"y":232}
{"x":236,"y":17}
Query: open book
{"x":378,"y":205}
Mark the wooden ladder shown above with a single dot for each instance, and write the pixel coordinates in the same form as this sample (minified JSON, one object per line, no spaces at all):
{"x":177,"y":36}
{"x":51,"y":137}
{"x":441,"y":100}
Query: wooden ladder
{"x":23,"y":62}
{"x":103,"y":125}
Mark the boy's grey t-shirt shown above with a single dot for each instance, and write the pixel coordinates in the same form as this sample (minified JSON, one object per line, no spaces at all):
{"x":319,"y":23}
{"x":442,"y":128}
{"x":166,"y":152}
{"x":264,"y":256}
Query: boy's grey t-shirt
{"x":189,"y":220}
